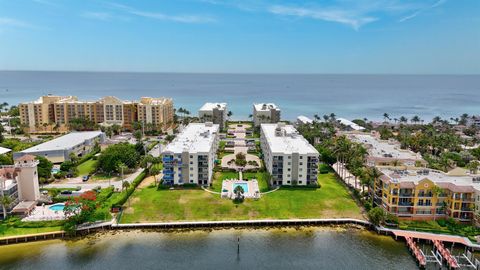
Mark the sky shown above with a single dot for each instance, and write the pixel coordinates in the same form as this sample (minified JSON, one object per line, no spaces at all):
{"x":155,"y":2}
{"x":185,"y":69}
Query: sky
{"x":242,"y":36}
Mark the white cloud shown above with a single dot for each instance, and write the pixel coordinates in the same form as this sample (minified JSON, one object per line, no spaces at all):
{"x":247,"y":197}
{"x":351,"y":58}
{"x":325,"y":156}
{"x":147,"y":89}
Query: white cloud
{"x":183,"y":18}
{"x":4,"y":21}
{"x":346,"y":17}
{"x":103,"y":16}
{"x":421,"y":10}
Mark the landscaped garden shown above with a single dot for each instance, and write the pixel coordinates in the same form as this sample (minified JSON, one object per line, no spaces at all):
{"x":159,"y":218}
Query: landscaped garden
{"x":330,"y":200}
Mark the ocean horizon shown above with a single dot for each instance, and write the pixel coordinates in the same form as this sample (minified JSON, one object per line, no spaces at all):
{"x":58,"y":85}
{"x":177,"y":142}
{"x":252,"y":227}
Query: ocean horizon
{"x":350,"y":96}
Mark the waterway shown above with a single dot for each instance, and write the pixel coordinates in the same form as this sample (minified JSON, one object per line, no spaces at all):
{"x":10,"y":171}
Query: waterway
{"x":306,"y":248}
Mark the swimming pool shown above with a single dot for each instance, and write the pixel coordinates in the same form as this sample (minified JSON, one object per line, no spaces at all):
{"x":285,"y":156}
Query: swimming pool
{"x":55,"y":171}
{"x":57,"y":207}
{"x":243,"y":185}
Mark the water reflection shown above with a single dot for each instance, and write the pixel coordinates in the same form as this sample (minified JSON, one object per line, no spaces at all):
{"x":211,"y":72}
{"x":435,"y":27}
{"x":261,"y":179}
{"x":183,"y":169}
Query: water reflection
{"x":309,"y":248}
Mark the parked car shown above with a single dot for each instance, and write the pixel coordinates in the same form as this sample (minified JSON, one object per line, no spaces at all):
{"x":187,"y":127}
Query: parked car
{"x":85,"y":178}
{"x":66,"y":192}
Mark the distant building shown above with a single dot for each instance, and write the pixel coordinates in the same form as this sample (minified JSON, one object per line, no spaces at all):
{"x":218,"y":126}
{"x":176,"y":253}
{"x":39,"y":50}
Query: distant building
{"x":190,"y":157}
{"x":4,"y":151}
{"x":426,"y":194}
{"x":303,"y":120}
{"x":20,"y":183}
{"x":265,"y":113}
{"x":58,"y":150}
{"x":288,"y":157}
{"x":156,"y":111}
{"x":473,"y":121}
{"x":350,"y":125}
{"x":386,"y":152}
{"x":215,"y":113}
{"x":54,"y":113}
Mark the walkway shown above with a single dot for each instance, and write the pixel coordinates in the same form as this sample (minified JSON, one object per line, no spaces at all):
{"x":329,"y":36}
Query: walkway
{"x":240,"y":146}
{"x":433,"y":237}
{"x":346,"y":176}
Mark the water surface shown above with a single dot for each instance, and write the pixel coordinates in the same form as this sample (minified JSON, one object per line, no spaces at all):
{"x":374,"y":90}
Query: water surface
{"x":310,"y":248}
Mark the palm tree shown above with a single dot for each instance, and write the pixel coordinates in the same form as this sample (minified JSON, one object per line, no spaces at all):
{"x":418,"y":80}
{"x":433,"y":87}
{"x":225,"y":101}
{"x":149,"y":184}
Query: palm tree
{"x":229,"y":114}
{"x":125,"y":185}
{"x":5,"y":201}
{"x":251,"y":117}
{"x":415,"y":119}
{"x":238,"y":191}
{"x":386,"y":117}
{"x":403,"y":119}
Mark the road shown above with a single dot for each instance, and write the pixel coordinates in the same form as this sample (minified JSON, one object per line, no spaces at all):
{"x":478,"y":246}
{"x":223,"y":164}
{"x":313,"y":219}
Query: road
{"x":91,"y":184}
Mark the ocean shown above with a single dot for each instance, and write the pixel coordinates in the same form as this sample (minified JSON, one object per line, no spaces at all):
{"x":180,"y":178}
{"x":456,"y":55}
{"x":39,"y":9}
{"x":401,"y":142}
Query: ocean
{"x":348,"y":96}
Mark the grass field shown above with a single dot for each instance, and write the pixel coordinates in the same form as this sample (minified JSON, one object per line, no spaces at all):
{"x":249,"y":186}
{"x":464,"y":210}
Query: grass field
{"x":332,"y":200}
{"x":87,"y":167}
{"x":14,"y":231}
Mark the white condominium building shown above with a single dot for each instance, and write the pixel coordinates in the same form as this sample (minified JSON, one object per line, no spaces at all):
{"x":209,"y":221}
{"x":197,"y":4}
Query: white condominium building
{"x":265,"y":113}
{"x":214,"y":112}
{"x":288,"y":157}
{"x":190,"y":157}
{"x":386,"y":152}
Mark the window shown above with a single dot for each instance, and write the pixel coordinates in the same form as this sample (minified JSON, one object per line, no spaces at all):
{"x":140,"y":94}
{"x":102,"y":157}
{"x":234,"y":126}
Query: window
{"x":289,"y":157}
{"x":300,"y":175}
{"x":191,"y":175}
{"x":288,"y":182}
{"x":301,"y":163}
{"x":191,"y":156}
{"x":191,"y":169}
{"x":300,"y":182}
{"x":301,"y":157}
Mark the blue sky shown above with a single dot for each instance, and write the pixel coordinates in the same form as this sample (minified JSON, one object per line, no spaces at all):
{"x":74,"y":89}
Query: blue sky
{"x":244,"y":36}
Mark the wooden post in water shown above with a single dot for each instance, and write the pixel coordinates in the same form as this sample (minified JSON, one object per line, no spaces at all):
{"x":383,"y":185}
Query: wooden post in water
{"x":238,"y":245}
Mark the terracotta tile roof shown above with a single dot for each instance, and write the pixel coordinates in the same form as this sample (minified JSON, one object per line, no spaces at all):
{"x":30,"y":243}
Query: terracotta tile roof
{"x":27,"y":157}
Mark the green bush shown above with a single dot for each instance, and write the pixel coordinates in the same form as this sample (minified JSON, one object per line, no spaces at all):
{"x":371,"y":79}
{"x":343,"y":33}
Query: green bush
{"x":59,"y":199}
{"x":125,"y":195}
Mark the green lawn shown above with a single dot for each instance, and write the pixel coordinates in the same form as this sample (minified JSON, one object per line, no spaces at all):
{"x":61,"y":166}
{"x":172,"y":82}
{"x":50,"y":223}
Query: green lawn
{"x":13,"y":231}
{"x":332,"y":200}
{"x":87,"y":167}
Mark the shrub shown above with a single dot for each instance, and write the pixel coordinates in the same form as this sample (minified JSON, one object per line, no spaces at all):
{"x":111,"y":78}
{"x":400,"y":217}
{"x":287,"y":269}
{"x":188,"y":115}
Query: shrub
{"x":376,"y":215}
{"x":125,"y":195}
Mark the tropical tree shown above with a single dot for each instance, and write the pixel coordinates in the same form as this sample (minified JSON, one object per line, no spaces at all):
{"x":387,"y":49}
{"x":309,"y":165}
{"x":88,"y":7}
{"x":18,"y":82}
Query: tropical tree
{"x":473,"y":166}
{"x":386,"y":117}
{"x":238,"y":191}
{"x":5,"y":201}
{"x":125,"y":185}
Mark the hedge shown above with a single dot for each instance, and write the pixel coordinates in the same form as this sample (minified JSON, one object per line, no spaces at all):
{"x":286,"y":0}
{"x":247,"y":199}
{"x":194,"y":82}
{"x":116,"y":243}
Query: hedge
{"x":124,"y":197}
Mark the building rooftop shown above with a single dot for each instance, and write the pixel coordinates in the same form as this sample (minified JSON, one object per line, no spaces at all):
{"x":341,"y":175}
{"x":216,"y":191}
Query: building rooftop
{"x":4,"y":150}
{"x":383,"y":149}
{"x":350,"y":124}
{"x":154,"y":101}
{"x":209,"y":106}
{"x":195,"y":138}
{"x":265,"y":106}
{"x":286,"y":139}
{"x":64,"y":142}
{"x":410,"y":178}
{"x":305,"y":120}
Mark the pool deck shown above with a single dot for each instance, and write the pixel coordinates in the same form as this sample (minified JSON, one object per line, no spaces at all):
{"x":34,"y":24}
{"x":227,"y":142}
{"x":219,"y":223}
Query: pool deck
{"x":44,"y":213}
{"x":253,"y":191}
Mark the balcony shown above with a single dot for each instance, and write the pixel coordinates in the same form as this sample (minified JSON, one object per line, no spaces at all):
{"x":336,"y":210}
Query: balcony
{"x":405,"y":203}
{"x":423,"y":195}
{"x":167,"y":159}
{"x":406,"y":194}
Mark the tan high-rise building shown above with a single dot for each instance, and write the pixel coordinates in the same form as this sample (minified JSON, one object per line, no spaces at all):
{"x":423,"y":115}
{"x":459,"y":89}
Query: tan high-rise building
{"x":156,"y":111}
{"x":55,"y":112}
